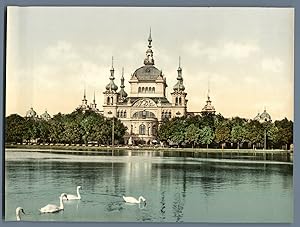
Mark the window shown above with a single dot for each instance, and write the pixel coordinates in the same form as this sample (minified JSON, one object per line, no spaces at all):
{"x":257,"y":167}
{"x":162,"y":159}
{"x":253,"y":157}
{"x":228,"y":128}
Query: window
{"x":180,"y":101}
{"x":125,"y":115}
{"x":176,"y":101}
{"x":108,"y":99}
{"x":146,"y":90}
{"x":143,"y":89}
{"x":142,"y":129}
{"x":140,"y":89}
{"x":153,"y":89}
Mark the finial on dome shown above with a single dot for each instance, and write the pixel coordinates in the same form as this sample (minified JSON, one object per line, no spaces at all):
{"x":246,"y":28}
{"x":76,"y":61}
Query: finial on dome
{"x":150,"y":39}
{"x":149,"y":53}
{"x":94,"y":98}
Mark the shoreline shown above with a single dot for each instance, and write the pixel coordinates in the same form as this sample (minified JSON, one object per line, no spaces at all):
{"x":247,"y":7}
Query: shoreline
{"x":77,"y":148}
{"x":222,"y":154}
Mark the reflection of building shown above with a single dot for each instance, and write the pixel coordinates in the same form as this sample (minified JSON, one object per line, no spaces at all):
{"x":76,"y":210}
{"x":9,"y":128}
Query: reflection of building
{"x":263,"y":117}
{"x":33,"y":115}
{"x":146,"y":105}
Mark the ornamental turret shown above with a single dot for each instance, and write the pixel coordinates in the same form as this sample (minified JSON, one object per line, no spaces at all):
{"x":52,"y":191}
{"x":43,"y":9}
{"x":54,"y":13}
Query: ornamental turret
{"x":112,"y":86}
{"x":179,"y":85}
{"x":122,"y":93}
{"x":149,"y":53}
{"x":208,"y":108}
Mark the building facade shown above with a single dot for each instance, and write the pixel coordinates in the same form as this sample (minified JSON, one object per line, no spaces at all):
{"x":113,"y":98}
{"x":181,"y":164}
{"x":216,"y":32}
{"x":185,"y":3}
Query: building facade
{"x":145,"y":106}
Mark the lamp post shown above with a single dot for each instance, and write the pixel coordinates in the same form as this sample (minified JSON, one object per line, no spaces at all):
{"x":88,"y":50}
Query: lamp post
{"x":113,"y":130}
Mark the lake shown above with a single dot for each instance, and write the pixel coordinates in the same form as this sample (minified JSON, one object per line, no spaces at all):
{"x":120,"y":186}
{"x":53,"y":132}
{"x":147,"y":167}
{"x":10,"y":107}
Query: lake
{"x":177,"y":189}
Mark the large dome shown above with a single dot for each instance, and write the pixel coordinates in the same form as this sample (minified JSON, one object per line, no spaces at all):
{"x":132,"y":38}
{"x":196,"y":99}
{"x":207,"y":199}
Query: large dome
{"x":147,"y":73}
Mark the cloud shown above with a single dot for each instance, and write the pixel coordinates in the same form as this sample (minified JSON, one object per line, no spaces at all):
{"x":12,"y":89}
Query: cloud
{"x":274,"y":64}
{"x":235,"y":50}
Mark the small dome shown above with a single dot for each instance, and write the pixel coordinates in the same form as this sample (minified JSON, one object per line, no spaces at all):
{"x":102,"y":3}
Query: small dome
{"x":31,"y":113}
{"x":179,"y":86}
{"x":147,"y":73}
{"x":123,"y":93}
{"x":111,"y":86}
{"x":265,"y":116}
{"x":45,"y":116}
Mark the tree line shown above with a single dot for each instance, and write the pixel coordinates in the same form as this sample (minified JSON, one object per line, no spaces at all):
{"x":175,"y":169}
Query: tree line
{"x":218,"y":132}
{"x":74,"y":128}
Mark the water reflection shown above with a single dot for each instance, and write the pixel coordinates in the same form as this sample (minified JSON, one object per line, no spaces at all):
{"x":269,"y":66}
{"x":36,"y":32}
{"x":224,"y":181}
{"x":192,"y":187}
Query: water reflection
{"x":176,"y":190}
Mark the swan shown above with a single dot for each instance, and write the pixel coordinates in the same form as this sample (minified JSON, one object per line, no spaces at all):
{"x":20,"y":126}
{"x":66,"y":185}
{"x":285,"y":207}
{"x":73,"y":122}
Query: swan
{"x":50,"y":208}
{"x":18,"y":213}
{"x":73,"y":197}
{"x":129,"y":199}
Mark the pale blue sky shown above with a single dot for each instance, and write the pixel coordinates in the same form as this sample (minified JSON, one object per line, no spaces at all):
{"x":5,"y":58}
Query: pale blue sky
{"x":246,"y":54}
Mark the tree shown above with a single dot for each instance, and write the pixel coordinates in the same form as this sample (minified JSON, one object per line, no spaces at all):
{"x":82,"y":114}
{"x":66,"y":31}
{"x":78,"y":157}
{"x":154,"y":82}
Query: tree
{"x":254,"y":132}
{"x":238,"y":134}
{"x":285,"y":132}
{"x":192,"y":134}
{"x":222,"y":133}
{"x":72,"y":132}
{"x":206,"y":135}
{"x":14,"y":128}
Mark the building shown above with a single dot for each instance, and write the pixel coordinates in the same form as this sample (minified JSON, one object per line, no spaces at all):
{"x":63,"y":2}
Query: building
{"x":145,"y":106}
{"x":208,"y":108}
{"x":33,"y":115}
{"x":84,"y":106}
{"x":263,"y":117}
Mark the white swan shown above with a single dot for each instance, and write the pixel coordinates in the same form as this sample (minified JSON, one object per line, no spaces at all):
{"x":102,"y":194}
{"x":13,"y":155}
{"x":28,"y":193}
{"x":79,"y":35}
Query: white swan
{"x":18,"y":213}
{"x":73,"y":197}
{"x":129,"y":199}
{"x":50,"y":208}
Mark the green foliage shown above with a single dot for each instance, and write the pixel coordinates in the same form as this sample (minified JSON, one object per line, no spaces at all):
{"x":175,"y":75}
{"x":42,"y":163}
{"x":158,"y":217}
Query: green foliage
{"x":206,"y":135}
{"x":14,"y":128}
{"x":222,"y":132}
{"x":192,"y":134}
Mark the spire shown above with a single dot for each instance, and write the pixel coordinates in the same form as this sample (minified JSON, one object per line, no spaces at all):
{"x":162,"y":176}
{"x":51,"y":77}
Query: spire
{"x":179,"y":70}
{"x":122,"y":92}
{"x":112,"y":70}
{"x":84,"y":100}
{"x":149,"y":53}
{"x":122,"y":78}
{"x":150,"y":39}
{"x":111,"y":86}
{"x":94,"y":100}
{"x":179,"y":85}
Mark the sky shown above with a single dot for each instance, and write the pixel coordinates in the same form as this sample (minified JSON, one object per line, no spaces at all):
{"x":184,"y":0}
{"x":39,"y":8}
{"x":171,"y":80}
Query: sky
{"x":244,"y":55}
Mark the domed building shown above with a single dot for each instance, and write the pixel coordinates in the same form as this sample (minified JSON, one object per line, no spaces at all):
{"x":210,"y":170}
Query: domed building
{"x":45,"y":116}
{"x":208,"y":108}
{"x":145,"y":106}
{"x":263,"y":117}
{"x":31,"y":113}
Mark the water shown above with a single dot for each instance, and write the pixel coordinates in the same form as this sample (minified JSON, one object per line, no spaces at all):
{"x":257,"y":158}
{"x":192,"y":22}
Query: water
{"x":177,"y":189}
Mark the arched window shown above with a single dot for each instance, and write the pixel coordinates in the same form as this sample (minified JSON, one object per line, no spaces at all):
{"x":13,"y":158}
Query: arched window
{"x":112,"y":101}
{"x":180,"y":101}
{"x":146,"y":90}
{"x":121,"y":113}
{"x":140,"y":89}
{"x":176,"y":101}
{"x":118,"y":113}
{"x":108,"y":100}
{"x":143,"y":89}
{"x":169,"y":115}
{"x":153,"y":89}
{"x":142,"y":129}
{"x":125,"y":114}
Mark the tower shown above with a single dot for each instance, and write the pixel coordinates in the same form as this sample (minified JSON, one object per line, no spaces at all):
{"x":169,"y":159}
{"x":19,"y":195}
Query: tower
{"x":122,"y":93}
{"x":111,"y":95}
{"x":179,"y":101}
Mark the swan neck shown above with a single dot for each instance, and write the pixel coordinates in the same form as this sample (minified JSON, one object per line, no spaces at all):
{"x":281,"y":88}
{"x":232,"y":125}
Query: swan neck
{"x":78,"y":195}
{"x":61,"y":203}
{"x":18,"y":217}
